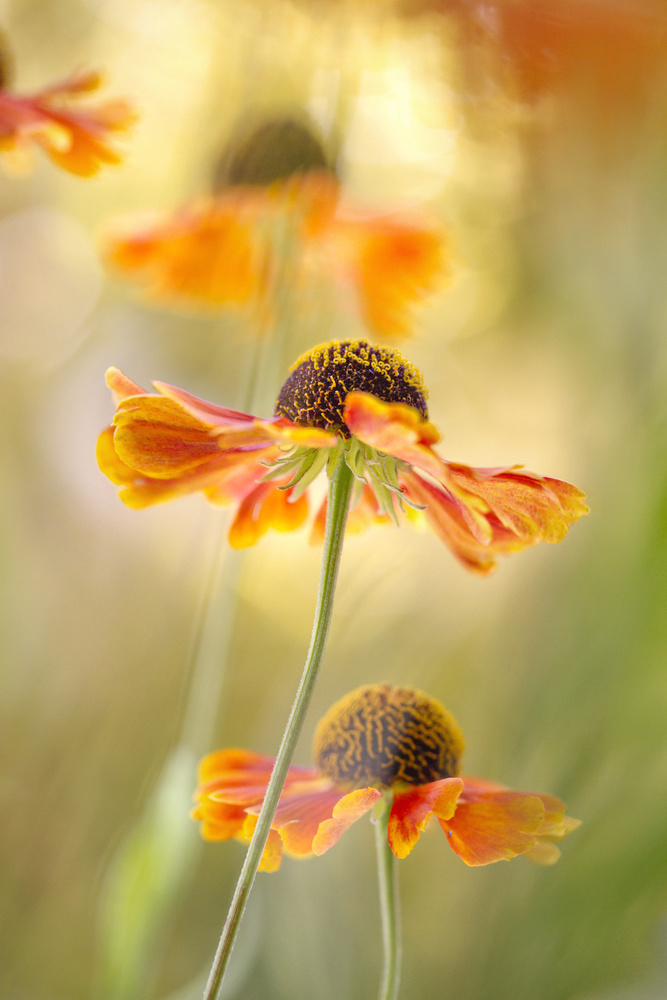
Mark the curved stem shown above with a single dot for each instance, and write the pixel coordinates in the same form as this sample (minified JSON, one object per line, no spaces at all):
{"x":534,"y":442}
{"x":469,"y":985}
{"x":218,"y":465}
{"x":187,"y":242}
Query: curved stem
{"x":389,"y":910}
{"x":339,"y":500}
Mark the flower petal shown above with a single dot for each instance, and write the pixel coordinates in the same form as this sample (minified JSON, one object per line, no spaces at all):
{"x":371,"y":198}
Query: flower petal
{"x":392,"y":263}
{"x":207,"y":254}
{"x":121,"y":386}
{"x":299,"y":815}
{"x":219,"y":820}
{"x":411,"y":809}
{"x":484,"y":513}
{"x":232,"y":787}
{"x":393,"y":428}
{"x":76,"y":138}
{"x":266,"y":507}
{"x":493,"y":825}
{"x":273,"y":849}
{"x":347,"y":810}
{"x":170,"y":444}
{"x":535,"y":508}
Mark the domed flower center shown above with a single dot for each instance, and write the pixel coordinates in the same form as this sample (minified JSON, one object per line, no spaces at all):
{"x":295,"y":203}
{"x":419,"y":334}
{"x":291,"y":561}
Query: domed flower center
{"x":315,"y":391}
{"x":384,"y":735}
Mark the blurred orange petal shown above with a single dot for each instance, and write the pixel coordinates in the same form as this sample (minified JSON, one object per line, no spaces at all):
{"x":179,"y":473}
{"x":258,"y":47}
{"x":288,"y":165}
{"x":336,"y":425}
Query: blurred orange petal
{"x":300,"y":813}
{"x":76,"y":138}
{"x":347,"y":810}
{"x":393,"y":266}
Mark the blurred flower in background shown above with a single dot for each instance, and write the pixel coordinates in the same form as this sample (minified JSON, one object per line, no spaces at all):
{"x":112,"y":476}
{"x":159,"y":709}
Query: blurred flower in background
{"x":279,"y":218}
{"x":76,"y":136}
{"x":379,"y":741}
{"x":604,"y":53}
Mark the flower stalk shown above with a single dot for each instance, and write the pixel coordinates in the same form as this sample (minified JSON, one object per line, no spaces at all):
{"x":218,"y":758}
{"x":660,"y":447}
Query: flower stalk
{"x":389,"y":910}
{"x":340,"y":488}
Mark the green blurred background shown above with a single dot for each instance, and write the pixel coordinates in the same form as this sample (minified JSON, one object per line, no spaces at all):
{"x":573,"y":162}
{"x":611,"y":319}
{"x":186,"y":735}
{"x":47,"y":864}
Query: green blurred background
{"x":548,"y":348}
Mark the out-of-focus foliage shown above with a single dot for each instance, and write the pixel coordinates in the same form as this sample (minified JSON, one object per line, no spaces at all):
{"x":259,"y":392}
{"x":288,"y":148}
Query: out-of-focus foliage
{"x":549,"y":348}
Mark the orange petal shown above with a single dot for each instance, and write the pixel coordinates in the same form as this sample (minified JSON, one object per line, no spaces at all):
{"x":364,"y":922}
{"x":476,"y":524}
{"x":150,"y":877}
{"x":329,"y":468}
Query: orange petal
{"x":75,"y":137}
{"x":121,"y":386}
{"x":266,"y":507}
{"x":347,"y":810}
{"x":300,"y":813}
{"x":393,"y":428}
{"x":234,"y":761}
{"x":273,"y":849}
{"x":208,"y":254}
{"x":535,"y":508}
{"x":461,"y":534}
{"x":110,"y":464}
{"x":161,"y":450}
{"x":482,"y":514}
{"x":393,"y":265}
{"x":411,"y":809}
{"x":493,"y":826}
{"x":219,"y":820}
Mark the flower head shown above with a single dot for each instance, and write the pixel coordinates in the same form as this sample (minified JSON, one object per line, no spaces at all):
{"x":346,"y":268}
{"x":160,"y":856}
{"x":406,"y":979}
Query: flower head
{"x":76,"y":138}
{"x":342,"y":398}
{"x":239,"y":246}
{"x":606,"y":52}
{"x":380,"y":743}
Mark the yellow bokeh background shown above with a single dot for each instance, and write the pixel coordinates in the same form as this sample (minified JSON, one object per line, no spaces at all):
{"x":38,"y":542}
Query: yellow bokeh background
{"x":548,"y":348}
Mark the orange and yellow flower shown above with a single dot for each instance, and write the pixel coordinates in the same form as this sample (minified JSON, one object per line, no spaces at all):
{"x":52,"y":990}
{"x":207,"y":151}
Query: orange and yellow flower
{"x":76,"y":138}
{"x":342,"y":398}
{"x":232,"y":249}
{"x":607,"y":52}
{"x":379,"y":743}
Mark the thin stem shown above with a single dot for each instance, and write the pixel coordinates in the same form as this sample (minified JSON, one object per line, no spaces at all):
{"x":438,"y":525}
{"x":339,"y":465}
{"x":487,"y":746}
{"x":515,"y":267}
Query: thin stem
{"x":389,"y":910}
{"x":339,"y":499}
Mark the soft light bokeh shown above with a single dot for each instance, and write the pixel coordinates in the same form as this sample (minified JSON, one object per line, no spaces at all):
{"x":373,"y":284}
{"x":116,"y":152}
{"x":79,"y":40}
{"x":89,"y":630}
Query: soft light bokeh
{"x":548,"y":348}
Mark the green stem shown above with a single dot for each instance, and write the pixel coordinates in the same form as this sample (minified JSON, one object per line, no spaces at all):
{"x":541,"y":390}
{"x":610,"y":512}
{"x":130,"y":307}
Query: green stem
{"x":340,"y":489}
{"x":389,"y":910}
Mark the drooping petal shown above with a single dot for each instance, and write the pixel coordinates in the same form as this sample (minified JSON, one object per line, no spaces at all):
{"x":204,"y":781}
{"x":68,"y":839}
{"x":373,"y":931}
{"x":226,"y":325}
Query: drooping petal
{"x":171,"y":444}
{"x":493,"y":825}
{"x":347,"y":810}
{"x":393,"y":428}
{"x":473,"y":543}
{"x":393,"y":264}
{"x":207,"y":254}
{"x":263,"y":508}
{"x":484,"y":513}
{"x":412,"y":808}
{"x":535,"y":508}
{"x":219,"y":820}
{"x":300,"y":813}
{"x":232,"y":787}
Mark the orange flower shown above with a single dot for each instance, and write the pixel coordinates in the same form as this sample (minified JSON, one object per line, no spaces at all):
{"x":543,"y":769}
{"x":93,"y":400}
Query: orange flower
{"x":380,"y":742}
{"x":232,"y":249}
{"x":367,"y":403}
{"x":609,"y":51}
{"x":76,"y":139}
